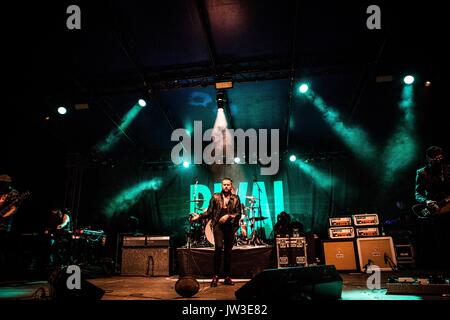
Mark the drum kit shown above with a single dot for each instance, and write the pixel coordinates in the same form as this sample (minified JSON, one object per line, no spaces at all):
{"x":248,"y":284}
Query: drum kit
{"x":201,"y":232}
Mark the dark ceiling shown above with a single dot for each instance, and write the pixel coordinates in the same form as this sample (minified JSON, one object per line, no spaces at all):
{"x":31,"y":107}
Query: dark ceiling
{"x":173,"y":52}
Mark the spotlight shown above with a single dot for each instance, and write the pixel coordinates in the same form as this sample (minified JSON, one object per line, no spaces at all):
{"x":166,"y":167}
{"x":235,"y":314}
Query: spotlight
{"x":428,"y":84}
{"x":237,"y":160}
{"x":62,"y":110}
{"x":142,"y":103}
{"x":292,"y":158}
{"x":303,"y":88}
{"x":220,"y":99}
{"x":186,"y":164}
{"x":408,"y":79}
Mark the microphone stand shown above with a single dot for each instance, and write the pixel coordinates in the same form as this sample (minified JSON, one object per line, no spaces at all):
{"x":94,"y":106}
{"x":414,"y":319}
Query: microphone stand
{"x":187,"y":286}
{"x":258,"y":237}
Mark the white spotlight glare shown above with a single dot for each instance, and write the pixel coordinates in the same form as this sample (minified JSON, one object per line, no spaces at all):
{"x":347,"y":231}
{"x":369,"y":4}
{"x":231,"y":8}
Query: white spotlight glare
{"x":62,"y":110}
{"x":142,"y":102}
{"x":408,"y":79}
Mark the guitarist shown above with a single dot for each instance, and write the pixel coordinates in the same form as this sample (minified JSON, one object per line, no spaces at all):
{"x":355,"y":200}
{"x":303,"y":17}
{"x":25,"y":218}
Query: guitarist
{"x":7,"y":195}
{"x":432,"y":189}
{"x":225,"y":211}
{"x":433,"y":180}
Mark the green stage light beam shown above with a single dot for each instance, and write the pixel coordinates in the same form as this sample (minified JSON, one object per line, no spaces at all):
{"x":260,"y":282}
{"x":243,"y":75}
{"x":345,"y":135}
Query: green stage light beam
{"x":320,"y":178}
{"x":130,"y":196}
{"x":401,"y":149}
{"x":354,"y":137}
{"x":114,"y":136}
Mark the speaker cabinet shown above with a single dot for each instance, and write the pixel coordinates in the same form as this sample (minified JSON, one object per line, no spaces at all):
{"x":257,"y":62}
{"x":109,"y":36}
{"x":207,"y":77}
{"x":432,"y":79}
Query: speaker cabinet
{"x":59,"y":291}
{"x":297,"y":283}
{"x":148,"y":261}
{"x":378,"y":251}
{"x":341,"y":254}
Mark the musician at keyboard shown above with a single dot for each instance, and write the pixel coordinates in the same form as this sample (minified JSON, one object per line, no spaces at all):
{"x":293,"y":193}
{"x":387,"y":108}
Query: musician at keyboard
{"x":60,"y":220}
{"x":59,"y":237}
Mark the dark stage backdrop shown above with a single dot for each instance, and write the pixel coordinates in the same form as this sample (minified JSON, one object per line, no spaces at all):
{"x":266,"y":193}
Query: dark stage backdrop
{"x":159,"y":198}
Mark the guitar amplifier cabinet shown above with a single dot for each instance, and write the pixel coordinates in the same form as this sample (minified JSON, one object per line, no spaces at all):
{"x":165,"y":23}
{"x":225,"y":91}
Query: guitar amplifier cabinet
{"x":146,"y":241}
{"x":366,"y":219}
{"x":340,"y":221}
{"x":367,"y":232}
{"x":145,"y":256}
{"x":291,"y":252}
{"x":341,"y":254}
{"x":378,"y":251}
{"x":405,"y":254}
{"x":341,"y":232}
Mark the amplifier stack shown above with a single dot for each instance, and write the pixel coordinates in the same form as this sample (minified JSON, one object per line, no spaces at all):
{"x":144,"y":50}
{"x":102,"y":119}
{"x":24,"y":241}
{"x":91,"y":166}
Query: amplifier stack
{"x":356,"y":241}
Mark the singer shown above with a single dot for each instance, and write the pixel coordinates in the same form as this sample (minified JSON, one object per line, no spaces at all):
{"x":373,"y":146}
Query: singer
{"x":224,"y":210}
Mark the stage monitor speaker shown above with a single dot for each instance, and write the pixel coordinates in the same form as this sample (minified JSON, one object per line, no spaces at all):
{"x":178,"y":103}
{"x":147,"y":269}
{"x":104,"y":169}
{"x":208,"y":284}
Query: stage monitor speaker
{"x":59,"y":291}
{"x":298,"y":283}
{"x":377,"y":251}
{"x":341,"y":254}
{"x":147,"y":261}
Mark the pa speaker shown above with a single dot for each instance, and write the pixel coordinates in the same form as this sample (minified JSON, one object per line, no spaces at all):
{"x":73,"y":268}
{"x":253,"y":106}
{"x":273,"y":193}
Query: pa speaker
{"x":298,"y":283}
{"x":59,"y":290}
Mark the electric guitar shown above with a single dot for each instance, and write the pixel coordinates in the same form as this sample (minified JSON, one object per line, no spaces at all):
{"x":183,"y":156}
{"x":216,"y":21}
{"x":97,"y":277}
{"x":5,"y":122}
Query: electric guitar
{"x":438,"y":207}
{"x":15,"y":200}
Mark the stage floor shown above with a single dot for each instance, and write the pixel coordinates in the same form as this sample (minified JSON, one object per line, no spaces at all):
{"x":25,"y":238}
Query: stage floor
{"x":163,"y":288}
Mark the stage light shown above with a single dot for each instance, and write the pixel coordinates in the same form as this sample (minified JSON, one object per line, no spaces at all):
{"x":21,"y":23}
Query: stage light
{"x":142,"y":103}
{"x":321,"y":178}
{"x":292,"y":158}
{"x":113,"y":137}
{"x":62,"y":110}
{"x":427,"y":84}
{"x":354,"y":137}
{"x":237,"y":160}
{"x":408,"y":79}
{"x":224,"y":84}
{"x":220,"y":99}
{"x":128,"y":197}
{"x":186,"y":164}
{"x":303,"y":88}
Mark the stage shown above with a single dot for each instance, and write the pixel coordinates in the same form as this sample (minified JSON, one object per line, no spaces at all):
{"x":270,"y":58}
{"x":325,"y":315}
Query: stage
{"x":246,"y":260}
{"x":163,"y":288}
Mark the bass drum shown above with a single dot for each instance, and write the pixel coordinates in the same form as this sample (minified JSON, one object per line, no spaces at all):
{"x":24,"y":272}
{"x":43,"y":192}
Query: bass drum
{"x":209,"y":232}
